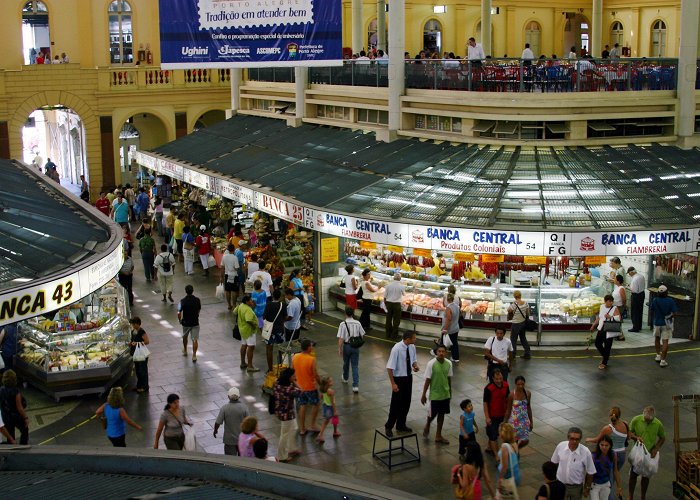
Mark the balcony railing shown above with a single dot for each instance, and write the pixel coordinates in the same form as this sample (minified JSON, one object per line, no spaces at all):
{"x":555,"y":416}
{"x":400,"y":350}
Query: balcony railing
{"x":497,"y":75}
{"x":140,"y":78}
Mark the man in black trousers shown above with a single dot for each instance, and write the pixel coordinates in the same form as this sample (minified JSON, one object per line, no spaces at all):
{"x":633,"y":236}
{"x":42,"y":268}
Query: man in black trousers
{"x":402,"y":362}
{"x":638,"y":288}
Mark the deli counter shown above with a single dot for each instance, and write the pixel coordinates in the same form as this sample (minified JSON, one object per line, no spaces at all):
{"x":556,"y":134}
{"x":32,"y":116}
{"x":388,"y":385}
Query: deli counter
{"x":565,"y":313}
{"x":79,"y":349}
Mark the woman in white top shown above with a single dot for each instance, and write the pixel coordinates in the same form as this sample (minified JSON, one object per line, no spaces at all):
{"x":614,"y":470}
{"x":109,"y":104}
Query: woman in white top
{"x":603,"y":342}
{"x":368,"y":291}
{"x":620,"y":298}
{"x":518,"y":313}
{"x":350,"y":287}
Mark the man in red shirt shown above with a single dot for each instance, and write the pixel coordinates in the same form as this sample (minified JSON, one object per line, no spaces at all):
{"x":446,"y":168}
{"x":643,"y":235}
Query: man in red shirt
{"x":495,"y":397}
{"x":203,"y":245}
{"x":102,"y":204}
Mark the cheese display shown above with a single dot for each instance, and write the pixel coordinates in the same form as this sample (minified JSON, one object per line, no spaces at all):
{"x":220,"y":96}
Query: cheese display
{"x":89,"y":334}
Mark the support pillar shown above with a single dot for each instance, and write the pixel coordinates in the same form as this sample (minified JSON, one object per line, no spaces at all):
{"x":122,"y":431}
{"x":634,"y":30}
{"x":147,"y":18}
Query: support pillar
{"x":236,"y":78}
{"x":397,"y":67}
{"x":596,"y":47}
{"x":301,"y":80}
{"x":486,"y":27}
{"x":381,"y":25}
{"x":687,"y":61}
{"x":357,"y":39}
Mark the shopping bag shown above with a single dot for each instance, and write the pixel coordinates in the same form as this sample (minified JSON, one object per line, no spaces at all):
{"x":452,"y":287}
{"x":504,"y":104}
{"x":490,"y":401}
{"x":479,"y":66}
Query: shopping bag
{"x":651,"y":465}
{"x":636,"y":456}
{"x":212,"y":261}
{"x":2,"y":361}
{"x":446,"y":341}
{"x":173,"y":245}
{"x":190,"y":438}
{"x":141,"y":352}
{"x":220,"y":291}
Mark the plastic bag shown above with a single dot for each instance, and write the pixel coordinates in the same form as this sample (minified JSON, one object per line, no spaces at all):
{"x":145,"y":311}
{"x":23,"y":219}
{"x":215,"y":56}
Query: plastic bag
{"x":651,"y":465}
{"x":212,"y":261}
{"x":220,"y":291}
{"x":2,"y":362}
{"x":141,"y":352}
{"x":446,"y":341}
{"x":636,"y":456}
{"x":190,"y":438}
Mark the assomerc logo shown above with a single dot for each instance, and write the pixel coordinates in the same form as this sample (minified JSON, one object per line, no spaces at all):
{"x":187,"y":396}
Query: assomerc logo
{"x":229,"y":50}
{"x":269,"y":50}
{"x":195,"y":51}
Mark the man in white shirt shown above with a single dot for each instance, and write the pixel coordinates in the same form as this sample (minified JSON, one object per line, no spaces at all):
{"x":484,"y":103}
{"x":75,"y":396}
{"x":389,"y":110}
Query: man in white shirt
{"x":637,"y":286}
{"x":264,"y":277}
{"x":475,"y":52}
{"x":165,"y":264}
{"x":499,"y":353}
{"x":527,"y":56}
{"x":393,"y":293}
{"x":231,"y":285}
{"x":615,"y":52}
{"x":402,"y":362}
{"x":382,"y":58}
{"x":576,"y":467}
{"x":363,"y":59}
{"x":349,"y":328}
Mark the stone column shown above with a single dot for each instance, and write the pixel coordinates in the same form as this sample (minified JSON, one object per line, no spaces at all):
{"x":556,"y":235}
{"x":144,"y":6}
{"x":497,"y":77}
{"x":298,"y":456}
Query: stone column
{"x":486,"y":27}
{"x":687,"y":61}
{"x":596,"y":47}
{"x":236,"y":77}
{"x":397,"y":67}
{"x":381,"y":25}
{"x":301,"y":82}
{"x":357,"y":22}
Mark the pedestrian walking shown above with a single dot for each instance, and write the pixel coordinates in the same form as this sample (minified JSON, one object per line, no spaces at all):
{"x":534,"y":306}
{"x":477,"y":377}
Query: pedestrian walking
{"x":247,"y":323}
{"x":171,"y":424}
{"x":164,"y":264}
{"x":606,"y":467}
{"x":304,"y":364}
{"x":495,"y":398}
{"x":116,"y":418}
{"x":393,"y":293}
{"x":13,"y":407}
{"x":552,"y":489}
{"x":438,"y":378}
{"x":618,"y":432}
{"x":518,"y":314}
{"x":664,"y":309}
{"x":402,"y":362}
{"x":519,"y":411}
{"x":231,"y":283}
{"x":8,"y":345}
{"x":508,"y":463}
{"x":576,"y":467}
{"x":450,"y":326}
{"x":604,"y":339}
{"x":471,"y":475}
{"x":368,"y":291}
{"x":328,"y":409}
{"x":158,"y":216}
{"x":350,"y":328}
{"x":188,"y":250}
{"x":188,"y":314}
{"x":467,"y":426}
{"x":139,"y":336}
{"x":498,"y":354}
{"x":248,"y":436}
{"x":351,"y":286}
{"x":178,"y":230}
{"x":126,"y":276}
{"x":203,"y":245}
{"x":275,"y":312}
{"x":284,"y":393}
{"x":620,"y":299}
{"x":292,"y":321}
{"x":147,"y":246}
{"x":637,"y":287}
{"x":647,"y":429}
{"x":231,"y":415}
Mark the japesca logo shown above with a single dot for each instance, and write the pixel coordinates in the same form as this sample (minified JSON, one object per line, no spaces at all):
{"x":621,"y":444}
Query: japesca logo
{"x":293,"y":49}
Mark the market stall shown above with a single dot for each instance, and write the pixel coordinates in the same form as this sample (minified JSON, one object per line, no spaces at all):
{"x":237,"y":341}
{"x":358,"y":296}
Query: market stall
{"x":82,"y":348}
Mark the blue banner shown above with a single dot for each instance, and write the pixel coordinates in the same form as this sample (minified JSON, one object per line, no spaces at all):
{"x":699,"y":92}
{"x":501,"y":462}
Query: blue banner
{"x":250,"y":33}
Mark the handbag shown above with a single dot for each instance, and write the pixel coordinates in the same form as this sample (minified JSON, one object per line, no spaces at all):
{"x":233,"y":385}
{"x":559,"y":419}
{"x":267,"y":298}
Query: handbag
{"x":267,"y":325}
{"x":355,"y":342}
{"x":530,"y":325}
{"x":359,"y":293}
{"x":141,"y":352}
{"x":236,"y":332}
{"x":611,"y":327}
{"x":2,"y":361}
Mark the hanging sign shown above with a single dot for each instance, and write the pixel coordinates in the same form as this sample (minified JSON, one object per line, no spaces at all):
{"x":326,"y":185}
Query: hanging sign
{"x":368,"y":245}
{"x":236,"y":193}
{"x":531,"y":259}
{"x":422,"y":252}
{"x":165,"y":167}
{"x":361,"y":229}
{"x":464,"y":257}
{"x":329,"y":250}
{"x":595,"y":260}
{"x":281,"y":208}
{"x":395,"y":249}
{"x":488,"y":258}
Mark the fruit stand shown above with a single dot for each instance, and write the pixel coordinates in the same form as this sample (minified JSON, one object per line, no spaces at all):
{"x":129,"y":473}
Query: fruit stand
{"x":81,"y":349}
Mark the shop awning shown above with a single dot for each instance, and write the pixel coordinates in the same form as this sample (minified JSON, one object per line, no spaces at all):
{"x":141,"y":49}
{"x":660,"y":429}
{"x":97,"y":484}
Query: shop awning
{"x":40,"y":231}
{"x":423,"y":182}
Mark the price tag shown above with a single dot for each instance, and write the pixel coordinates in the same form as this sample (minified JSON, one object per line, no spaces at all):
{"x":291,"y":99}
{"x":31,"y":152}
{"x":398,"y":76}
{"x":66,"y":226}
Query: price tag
{"x":464,"y":257}
{"x":490,"y":258}
{"x":395,"y":249}
{"x":368,"y":245}
{"x":595,"y":260}
{"x":422,"y":252}
{"x":531,"y":259}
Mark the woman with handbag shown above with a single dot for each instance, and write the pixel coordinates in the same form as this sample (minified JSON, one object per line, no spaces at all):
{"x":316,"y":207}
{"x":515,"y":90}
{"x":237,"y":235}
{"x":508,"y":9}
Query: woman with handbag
{"x":139,"y":337}
{"x":115,"y":418}
{"x":275,"y":312}
{"x":188,"y":250}
{"x":620,"y":299}
{"x":171,"y":425}
{"x":518,"y":313}
{"x":508,"y":464}
{"x":450,"y":327}
{"x":609,"y":325}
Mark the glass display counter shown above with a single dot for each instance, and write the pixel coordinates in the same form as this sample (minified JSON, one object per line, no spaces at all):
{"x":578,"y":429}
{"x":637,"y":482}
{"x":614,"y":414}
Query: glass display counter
{"x":557,"y":308}
{"x":79,"y":349}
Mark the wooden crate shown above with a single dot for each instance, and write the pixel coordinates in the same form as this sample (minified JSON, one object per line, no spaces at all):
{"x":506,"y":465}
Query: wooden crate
{"x":689,"y":467}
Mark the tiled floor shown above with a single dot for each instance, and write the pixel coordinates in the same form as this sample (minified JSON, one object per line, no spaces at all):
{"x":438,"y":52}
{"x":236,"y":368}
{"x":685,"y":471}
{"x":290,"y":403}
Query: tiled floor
{"x":567,"y":389}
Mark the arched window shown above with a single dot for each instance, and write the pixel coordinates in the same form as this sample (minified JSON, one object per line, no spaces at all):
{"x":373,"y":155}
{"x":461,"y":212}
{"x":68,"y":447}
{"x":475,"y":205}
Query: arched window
{"x":432,"y":37}
{"x":121,"y":35}
{"x":533,"y":34}
{"x":658,"y":39}
{"x":372,"y":34}
{"x":480,"y":38}
{"x":36,"y":42}
{"x":617,"y":34}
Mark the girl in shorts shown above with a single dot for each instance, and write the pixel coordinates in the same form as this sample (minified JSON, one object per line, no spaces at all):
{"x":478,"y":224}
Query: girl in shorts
{"x":310,"y":306}
{"x":329,"y":411}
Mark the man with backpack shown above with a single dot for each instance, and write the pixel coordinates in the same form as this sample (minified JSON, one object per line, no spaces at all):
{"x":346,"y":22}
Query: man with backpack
{"x":165,"y":264}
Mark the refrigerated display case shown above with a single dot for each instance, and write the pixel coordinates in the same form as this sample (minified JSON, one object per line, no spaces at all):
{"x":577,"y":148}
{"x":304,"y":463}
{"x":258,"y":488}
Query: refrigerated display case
{"x":79,"y":349}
